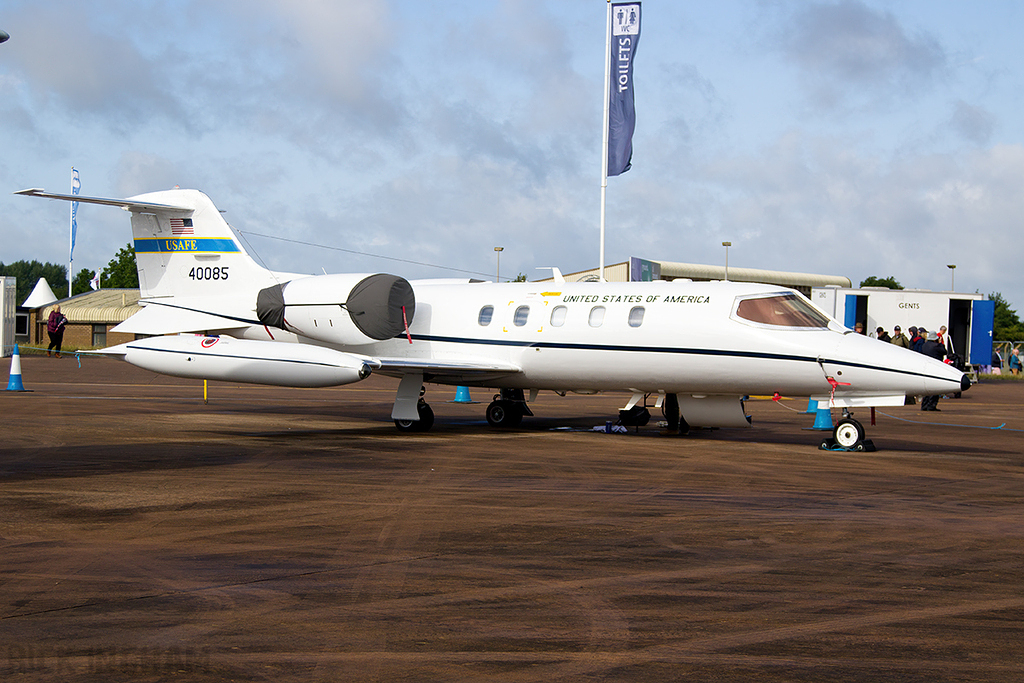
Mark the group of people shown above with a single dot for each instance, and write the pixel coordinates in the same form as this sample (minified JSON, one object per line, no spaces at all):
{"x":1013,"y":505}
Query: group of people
{"x":936,"y":345}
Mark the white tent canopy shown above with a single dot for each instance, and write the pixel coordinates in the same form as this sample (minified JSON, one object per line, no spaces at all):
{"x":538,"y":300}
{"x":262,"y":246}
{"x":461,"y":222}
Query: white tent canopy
{"x":41,"y":296}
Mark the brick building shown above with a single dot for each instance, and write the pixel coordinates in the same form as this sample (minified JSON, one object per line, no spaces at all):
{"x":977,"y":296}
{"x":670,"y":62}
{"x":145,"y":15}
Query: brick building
{"x":91,"y":316}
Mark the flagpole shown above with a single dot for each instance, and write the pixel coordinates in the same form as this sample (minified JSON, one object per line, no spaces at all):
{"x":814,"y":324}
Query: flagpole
{"x":604,"y":142}
{"x":72,"y":228}
{"x":71,"y":248}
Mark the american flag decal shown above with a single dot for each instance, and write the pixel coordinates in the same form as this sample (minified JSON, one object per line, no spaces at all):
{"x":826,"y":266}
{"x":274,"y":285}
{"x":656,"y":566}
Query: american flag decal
{"x":181,"y":226}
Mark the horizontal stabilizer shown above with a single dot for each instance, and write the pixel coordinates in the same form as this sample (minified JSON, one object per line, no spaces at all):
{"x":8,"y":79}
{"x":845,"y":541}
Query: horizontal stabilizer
{"x":164,"y":319}
{"x":126,"y":204}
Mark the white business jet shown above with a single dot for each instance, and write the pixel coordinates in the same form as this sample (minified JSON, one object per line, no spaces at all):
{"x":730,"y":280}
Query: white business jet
{"x":697,"y":347}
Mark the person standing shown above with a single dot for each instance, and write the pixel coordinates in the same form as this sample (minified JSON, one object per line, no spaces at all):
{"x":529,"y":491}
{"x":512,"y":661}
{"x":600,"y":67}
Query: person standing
{"x":946,"y":340}
{"x":919,"y":338}
{"x":1015,"y":361}
{"x":900,"y":339}
{"x":932,"y":348}
{"x":882,"y":335}
{"x":55,"y":328}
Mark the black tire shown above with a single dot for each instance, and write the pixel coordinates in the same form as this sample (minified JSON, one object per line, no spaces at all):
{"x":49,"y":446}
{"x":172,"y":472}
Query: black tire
{"x":637,"y":416}
{"x":848,"y":433}
{"x":423,"y":424}
{"x":504,"y":414}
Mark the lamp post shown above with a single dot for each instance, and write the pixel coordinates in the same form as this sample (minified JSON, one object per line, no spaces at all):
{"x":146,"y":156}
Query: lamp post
{"x":952,"y":277}
{"x":497,"y":256}
{"x":726,"y":245}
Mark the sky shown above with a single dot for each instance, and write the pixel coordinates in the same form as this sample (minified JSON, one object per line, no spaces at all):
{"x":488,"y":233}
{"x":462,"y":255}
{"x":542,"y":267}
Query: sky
{"x":855,"y":138}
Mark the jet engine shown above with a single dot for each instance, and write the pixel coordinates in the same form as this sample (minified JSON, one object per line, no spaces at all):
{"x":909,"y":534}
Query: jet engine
{"x":345,"y":309}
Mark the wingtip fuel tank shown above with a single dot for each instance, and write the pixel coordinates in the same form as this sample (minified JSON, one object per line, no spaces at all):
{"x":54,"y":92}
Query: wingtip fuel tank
{"x":242,"y":360}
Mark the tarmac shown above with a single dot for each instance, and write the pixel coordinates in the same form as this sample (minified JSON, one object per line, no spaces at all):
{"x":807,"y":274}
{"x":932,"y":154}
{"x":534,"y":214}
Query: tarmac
{"x":295,"y":535}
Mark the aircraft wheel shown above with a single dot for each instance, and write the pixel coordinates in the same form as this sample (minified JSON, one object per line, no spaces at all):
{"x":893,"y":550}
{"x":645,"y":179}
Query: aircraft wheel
{"x":848,"y":433}
{"x":425,"y":422}
{"x":504,"y":414}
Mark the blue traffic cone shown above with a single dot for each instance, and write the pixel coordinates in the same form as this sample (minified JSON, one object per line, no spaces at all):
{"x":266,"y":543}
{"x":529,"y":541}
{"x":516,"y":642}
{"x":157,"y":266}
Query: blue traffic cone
{"x":823,"y":419}
{"x":812,"y":407}
{"x":14,"y":383}
{"x":462,"y":395}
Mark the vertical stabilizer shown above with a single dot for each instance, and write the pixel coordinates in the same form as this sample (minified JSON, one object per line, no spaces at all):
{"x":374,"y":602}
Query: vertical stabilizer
{"x":183,"y":247}
{"x":187,"y":249}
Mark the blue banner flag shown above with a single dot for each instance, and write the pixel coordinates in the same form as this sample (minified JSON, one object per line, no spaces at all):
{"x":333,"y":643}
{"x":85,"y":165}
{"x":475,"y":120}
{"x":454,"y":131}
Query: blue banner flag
{"x":76,"y":185}
{"x":621,"y":113}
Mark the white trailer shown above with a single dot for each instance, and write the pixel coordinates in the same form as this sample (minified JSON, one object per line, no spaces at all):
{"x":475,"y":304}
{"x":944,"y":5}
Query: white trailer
{"x":969,"y":317}
{"x":8,"y":303}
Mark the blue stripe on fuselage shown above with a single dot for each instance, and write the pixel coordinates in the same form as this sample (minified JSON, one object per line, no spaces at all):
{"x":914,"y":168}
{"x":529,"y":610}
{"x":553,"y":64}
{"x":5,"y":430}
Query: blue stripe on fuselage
{"x":663,"y":349}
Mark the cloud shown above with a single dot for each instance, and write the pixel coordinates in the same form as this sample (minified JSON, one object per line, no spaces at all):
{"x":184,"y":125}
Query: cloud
{"x":89,"y":71}
{"x":848,"y":51}
{"x":818,"y":204}
{"x":972,"y":123}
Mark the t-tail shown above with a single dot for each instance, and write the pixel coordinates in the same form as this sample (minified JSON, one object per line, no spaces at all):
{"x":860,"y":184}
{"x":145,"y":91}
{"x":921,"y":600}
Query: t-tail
{"x":183,"y":246}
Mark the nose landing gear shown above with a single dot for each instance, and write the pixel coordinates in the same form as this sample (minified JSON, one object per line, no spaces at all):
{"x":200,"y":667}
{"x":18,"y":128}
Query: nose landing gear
{"x":848,"y":435}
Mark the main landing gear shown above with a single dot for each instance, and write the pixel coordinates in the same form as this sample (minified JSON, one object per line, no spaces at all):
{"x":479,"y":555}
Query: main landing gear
{"x":507,"y":409}
{"x":848,"y":435}
{"x":423,"y":424}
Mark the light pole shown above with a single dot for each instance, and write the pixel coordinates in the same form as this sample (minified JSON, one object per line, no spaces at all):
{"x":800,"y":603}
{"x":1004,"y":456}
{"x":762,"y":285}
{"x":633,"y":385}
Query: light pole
{"x":726,"y":245}
{"x":952,"y":277}
{"x":497,"y":255}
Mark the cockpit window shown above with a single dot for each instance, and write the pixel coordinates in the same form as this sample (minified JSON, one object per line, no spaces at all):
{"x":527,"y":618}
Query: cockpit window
{"x":783,"y":310}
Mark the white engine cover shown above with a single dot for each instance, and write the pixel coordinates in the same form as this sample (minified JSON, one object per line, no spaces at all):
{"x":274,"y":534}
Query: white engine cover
{"x":347,"y":310}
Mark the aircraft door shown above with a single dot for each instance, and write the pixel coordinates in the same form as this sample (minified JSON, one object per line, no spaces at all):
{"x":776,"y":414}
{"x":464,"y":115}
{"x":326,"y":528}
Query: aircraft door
{"x":960,"y":326}
{"x":982,"y":327}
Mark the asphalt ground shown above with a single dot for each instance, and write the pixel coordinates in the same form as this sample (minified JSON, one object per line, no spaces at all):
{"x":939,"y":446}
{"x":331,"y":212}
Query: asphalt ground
{"x":294,"y":535}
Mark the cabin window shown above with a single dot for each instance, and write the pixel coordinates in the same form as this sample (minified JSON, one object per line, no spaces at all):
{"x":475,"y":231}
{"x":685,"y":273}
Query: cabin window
{"x":783,"y":310}
{"x":522,"y":313}
{"x":558,"y":316}
{"x":486,"y":313}
{"x":636,"y":316}
{"x":597,"y":316}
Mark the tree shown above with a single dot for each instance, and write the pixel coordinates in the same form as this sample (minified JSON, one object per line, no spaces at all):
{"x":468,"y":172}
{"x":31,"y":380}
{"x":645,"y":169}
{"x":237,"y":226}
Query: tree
{"x":29,"y":272}
{"x":1007,"y":325}
{"x":873,"y":281}
{"x":520,"y":278}
{"x":121,"y":271}
{"x":81,"y":284}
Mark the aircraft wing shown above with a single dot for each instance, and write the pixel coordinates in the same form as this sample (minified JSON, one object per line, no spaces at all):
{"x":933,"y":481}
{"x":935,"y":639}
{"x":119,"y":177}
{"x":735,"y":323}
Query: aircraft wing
{"x":159,"y":318}
{"x":448,"y":371}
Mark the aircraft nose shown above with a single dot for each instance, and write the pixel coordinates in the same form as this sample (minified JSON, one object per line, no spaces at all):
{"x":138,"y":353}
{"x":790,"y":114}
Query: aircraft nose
{"x":965,"y":382}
